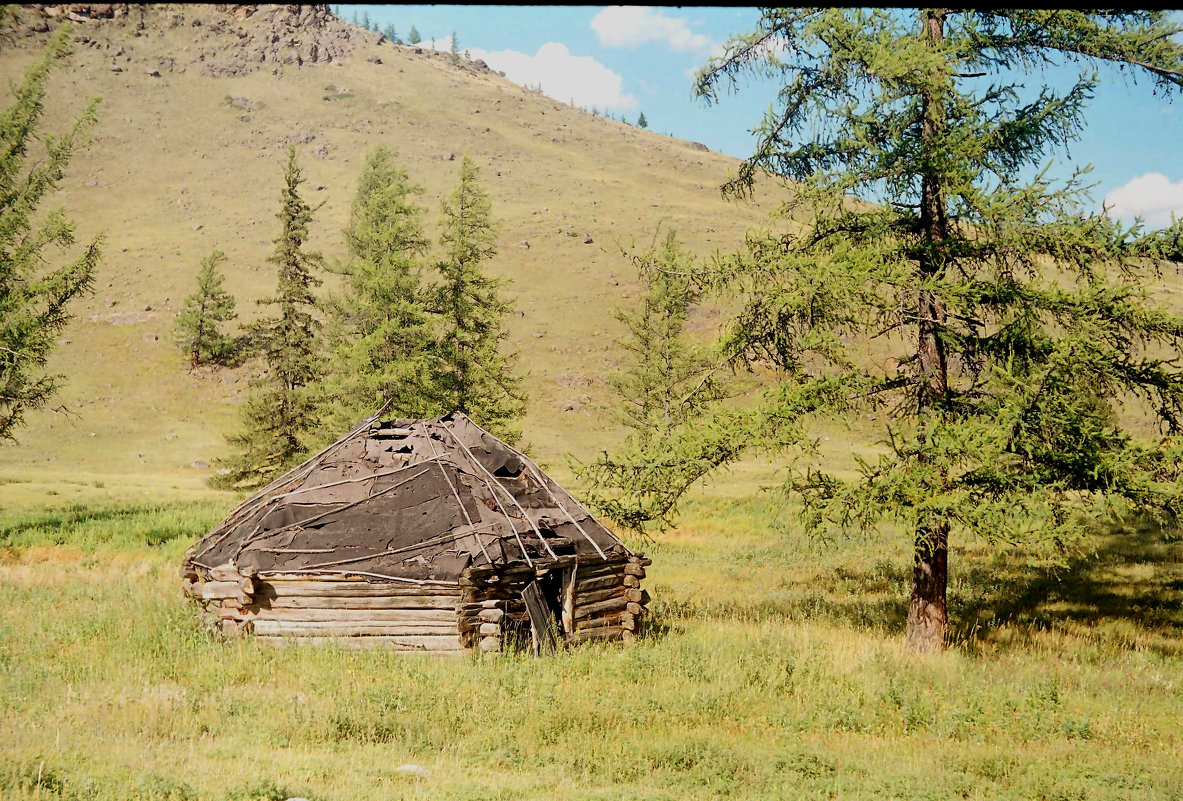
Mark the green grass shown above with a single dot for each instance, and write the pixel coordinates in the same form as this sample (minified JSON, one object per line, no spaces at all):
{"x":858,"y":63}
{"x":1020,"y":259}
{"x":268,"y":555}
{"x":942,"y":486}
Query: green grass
{"x":773,"y":669}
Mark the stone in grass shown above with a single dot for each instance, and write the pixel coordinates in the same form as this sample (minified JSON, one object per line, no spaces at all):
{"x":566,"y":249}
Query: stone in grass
{"x":413,"y":770}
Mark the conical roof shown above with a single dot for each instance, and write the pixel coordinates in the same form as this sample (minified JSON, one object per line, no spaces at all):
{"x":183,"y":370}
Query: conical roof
{"x":413,"y":500}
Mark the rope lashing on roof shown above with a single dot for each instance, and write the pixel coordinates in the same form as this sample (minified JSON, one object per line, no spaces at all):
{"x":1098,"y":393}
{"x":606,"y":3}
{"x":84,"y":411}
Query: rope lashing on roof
{"x":370,"y":477}
{"x":258,"y":499}
{"x":305,"y":523}
{"x":388,"y":552}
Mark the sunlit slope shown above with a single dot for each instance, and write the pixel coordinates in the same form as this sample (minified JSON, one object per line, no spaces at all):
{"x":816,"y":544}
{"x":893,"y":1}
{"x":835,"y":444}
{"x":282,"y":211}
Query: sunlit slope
{"x":177,"y":169}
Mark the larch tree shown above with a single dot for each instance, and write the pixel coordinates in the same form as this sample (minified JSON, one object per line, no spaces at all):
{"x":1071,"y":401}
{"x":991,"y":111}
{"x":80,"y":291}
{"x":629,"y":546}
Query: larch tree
{"x":642,"y":122}
{"x":664,"y":386}
{"x":1013,"y":332}
{"x":380,"y":334}
{"x":197,"y":332}
{"x":413,"y":37}
{"x":474,"y":374}
{"x":37,"y":290}
{"x":281,"y":410}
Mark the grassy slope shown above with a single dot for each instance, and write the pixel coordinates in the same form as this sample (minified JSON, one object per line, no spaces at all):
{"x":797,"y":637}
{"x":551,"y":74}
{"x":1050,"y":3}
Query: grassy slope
{"x":175,"y":171}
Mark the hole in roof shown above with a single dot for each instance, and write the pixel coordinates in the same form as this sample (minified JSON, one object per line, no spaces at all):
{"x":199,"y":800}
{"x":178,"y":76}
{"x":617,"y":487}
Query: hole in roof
{"x":511,"y":469}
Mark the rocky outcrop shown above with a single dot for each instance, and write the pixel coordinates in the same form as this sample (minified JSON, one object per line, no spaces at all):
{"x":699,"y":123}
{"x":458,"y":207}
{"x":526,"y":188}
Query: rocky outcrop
{"x":229,"y":39}
{"x":274,"y":35}
{"x":82,"y":12}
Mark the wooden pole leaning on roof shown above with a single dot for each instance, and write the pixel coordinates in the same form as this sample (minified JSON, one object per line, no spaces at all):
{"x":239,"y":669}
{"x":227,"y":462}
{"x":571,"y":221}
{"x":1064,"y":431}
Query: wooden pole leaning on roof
{"x":509,"y":494}
{"x":455,"y":492}
{"x":535,"y":471}
{"x":496,"y":500}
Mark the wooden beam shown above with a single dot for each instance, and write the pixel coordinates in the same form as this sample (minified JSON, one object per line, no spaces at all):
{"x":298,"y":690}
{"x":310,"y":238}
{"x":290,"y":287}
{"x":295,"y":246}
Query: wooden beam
{"x":359,"y":602}
{"x":438,"y":646}
{"x":343,"y":629}
{"x":433,"y":617}
{"x":270,"y":588}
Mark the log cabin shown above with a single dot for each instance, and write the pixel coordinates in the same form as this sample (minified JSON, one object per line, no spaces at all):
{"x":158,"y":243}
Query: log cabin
{"x":426,"y":536}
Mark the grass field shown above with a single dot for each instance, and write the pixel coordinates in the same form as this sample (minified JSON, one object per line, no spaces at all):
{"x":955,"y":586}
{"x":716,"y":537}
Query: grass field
{"x":773,"y":669}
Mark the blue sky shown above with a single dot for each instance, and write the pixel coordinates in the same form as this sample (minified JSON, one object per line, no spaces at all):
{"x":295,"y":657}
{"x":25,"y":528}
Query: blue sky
{"x":624,"y":60}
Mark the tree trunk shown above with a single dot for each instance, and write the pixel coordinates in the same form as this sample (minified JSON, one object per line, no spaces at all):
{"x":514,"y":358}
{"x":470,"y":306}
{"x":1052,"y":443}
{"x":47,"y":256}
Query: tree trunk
{"x":927,"y":610}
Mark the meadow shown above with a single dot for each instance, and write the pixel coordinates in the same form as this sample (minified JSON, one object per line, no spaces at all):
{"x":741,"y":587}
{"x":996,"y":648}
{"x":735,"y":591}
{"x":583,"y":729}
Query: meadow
{"x":773,"y":667}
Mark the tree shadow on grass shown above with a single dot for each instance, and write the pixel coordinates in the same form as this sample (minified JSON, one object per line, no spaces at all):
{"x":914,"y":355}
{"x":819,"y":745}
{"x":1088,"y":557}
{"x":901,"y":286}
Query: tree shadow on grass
{"x":1128,"y":593}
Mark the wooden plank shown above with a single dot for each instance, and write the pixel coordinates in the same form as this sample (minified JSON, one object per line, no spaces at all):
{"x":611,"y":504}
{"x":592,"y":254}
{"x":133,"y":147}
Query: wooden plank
{"x":338,"y":629}
{"x":387,"y":602}
{"x":491,"y":615}
{"x":219,"y":590}
{"x":226,"y":572}
{"x":570,"y":582}
{"x":433,"y":617}
{"x":438,"y":646}
{"x":619,"y":591}
{"x":270,"y":587}
{"x":542,"y":622}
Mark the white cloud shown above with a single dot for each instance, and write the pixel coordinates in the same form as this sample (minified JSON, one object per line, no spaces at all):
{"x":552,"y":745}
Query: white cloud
{"x":634,"y":26}
{"x":1151,"y":196}
{"x":441,"y":45}
{"x":563,"y":76}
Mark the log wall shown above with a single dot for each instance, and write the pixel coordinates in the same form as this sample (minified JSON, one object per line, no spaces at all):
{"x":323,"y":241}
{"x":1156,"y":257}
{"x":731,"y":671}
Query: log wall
{"x":485,"y":611}
{"x":609,"y":603}
{"x":354,"y":613}
{"x":492,"y":614}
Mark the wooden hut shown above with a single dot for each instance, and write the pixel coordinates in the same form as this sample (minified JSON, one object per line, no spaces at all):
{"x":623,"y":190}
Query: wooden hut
{"x":419,"y":535}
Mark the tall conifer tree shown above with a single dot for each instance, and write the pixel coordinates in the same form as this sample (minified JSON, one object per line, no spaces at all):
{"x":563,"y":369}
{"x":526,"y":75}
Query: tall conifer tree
{"x":664,"y":386}
{"x":381,"y":333}
{"x":281,"y":410}
{"x":35,"y":299}
{"x":473,"y":373}
{"x":1018,"y":323}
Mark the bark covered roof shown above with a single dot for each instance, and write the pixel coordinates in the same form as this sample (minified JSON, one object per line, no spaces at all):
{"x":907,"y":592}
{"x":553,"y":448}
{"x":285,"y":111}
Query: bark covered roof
{"x":407,"y":499}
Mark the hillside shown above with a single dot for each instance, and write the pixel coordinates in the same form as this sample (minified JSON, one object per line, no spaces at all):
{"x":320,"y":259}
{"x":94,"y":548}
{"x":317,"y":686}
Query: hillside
{"x":198,"y":105}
